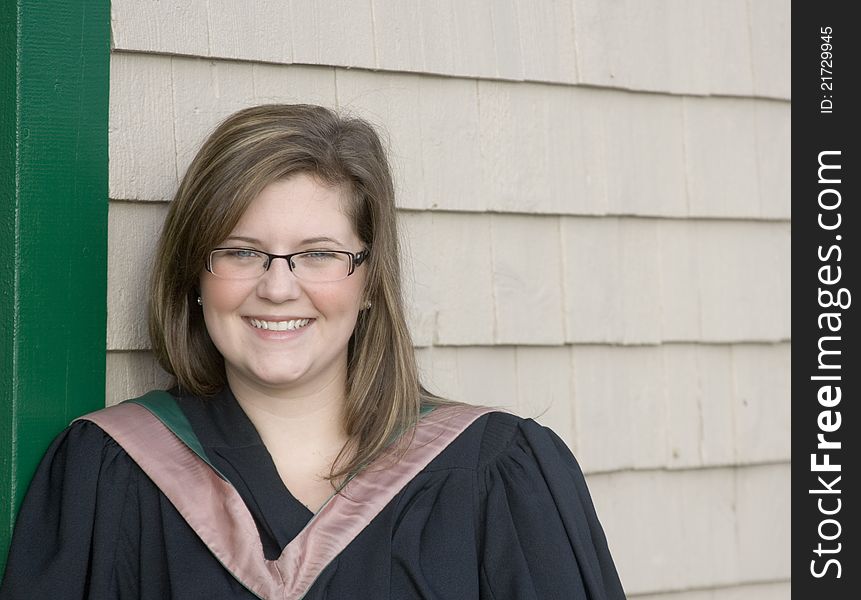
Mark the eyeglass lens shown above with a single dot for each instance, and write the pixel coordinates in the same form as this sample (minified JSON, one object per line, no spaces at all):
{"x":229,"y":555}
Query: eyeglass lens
{"x":314,"y":266}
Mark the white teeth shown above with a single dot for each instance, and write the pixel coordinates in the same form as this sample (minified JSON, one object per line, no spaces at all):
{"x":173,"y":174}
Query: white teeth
{"x":280,"y":325}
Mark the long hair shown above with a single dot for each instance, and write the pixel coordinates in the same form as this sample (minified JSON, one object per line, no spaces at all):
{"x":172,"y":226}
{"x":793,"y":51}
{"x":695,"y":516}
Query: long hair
{"x":249,"y":150}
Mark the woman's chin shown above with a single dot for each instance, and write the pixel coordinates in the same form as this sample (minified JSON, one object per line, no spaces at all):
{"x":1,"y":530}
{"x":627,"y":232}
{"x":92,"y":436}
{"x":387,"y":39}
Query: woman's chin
{"x":274,"y":378}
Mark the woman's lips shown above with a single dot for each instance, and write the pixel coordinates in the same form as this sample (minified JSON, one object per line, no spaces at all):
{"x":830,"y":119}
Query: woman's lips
{"x":279,"y":329}
{"x":279,"y":325}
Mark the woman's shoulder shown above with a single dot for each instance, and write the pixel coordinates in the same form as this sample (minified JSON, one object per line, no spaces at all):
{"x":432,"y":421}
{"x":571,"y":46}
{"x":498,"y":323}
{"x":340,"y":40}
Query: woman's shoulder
{"x":84,"y":455}
{"x":495,"y":436}
{"x":83,"y":438}
{"x":72,"y":517}
{"x":88,"y":439}
{"x":537,"y":527}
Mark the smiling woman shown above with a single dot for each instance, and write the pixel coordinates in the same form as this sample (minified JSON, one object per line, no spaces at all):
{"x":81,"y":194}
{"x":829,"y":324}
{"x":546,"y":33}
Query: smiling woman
{"x":298,"y":455}
{"x":254,"y":322}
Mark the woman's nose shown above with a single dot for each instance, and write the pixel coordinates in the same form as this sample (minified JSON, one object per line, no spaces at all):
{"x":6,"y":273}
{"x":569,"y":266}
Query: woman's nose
{"x":278,"y":283}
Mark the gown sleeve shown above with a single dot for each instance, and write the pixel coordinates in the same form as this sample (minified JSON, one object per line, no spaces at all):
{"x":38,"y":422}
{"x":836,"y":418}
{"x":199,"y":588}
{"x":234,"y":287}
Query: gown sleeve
{"x":68,"y":525}
{"x":542,"y":539}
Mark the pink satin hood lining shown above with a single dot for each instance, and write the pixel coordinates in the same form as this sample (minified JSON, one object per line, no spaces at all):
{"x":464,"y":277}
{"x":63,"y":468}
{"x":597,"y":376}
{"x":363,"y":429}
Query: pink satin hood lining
{"x":216,"y":512}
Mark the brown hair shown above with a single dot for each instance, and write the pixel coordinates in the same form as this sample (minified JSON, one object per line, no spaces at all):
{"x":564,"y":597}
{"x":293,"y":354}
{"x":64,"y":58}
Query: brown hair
{"x":249,"y":150}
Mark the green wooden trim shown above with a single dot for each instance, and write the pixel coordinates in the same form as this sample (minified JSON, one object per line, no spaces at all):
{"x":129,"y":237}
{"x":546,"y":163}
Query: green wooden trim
{"x":54,"y":69}
{"x":163,"y":406}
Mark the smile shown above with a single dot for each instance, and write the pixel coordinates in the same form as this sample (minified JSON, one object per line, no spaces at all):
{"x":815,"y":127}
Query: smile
{"x":279,"y":325}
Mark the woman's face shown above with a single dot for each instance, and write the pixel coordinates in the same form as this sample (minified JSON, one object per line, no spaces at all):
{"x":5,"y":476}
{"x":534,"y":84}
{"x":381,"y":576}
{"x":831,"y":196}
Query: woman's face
{"x":288,"y":216}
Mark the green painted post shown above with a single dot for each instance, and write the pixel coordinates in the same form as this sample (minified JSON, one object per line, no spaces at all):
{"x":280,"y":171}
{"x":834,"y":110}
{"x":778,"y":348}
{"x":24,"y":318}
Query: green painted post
{"x":54,"y":66}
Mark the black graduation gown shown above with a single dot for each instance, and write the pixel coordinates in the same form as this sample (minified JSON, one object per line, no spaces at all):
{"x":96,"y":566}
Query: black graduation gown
{"x":502,"y":513}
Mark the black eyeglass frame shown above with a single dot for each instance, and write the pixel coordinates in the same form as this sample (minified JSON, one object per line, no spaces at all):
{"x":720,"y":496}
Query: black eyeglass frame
{"x":356,"y":258}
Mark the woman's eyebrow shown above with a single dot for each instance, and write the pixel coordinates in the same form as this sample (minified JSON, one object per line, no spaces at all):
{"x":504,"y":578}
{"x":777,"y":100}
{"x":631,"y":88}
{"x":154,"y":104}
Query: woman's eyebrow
{"x":315,"y":240}
{"x":240,"y":238}
{"x":312,"y":240}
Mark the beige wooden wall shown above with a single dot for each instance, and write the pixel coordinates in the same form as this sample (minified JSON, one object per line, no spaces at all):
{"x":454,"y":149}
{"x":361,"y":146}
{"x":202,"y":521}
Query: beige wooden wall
{"x":595,"y":200}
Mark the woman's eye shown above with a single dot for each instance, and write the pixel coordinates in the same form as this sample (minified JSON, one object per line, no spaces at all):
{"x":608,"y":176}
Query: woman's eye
{"x":320,"y":256}
{"x":243,"y":253}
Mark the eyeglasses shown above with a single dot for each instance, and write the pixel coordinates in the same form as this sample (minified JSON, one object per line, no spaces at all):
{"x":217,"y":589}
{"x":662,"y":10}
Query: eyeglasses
{"x":317,"y":266}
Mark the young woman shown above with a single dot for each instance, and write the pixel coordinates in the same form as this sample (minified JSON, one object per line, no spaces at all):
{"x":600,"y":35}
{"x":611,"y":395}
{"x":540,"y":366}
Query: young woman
{"x":298,"y":455}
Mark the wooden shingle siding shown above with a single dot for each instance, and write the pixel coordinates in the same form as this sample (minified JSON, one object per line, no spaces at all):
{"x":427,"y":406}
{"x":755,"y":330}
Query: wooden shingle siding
{"x":759,"y":591}
{"x":678,"y":530}
{"x":595,"y":219}
{"x":485,"y":279}
{"x":477,"y":146}
{"x":654,"y":45}
{"x":673,"y":406}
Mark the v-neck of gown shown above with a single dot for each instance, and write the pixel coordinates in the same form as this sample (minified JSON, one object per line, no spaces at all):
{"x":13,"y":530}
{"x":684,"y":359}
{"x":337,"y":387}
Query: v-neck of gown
{"x":233,"y":445}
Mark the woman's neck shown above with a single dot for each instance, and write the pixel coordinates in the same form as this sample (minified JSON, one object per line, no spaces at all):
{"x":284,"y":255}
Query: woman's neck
{"x":304,"y":434}
{"x":309,"y":420}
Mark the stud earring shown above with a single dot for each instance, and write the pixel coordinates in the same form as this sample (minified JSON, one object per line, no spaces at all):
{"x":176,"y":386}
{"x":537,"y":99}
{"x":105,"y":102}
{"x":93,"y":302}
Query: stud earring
{"x":367,"y":305}
{"x":199,"y":301}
